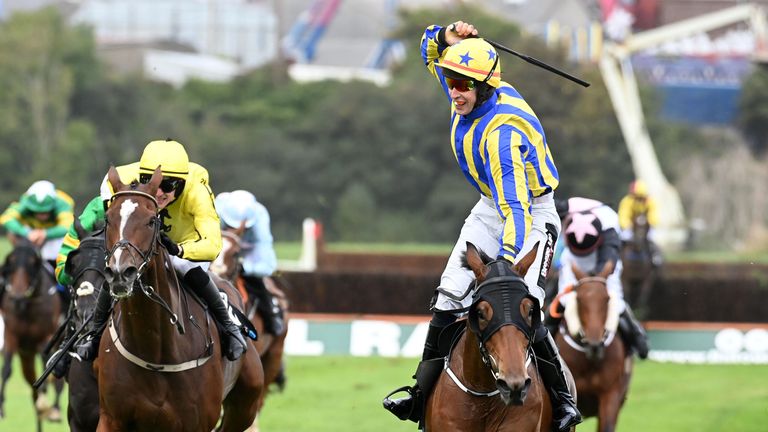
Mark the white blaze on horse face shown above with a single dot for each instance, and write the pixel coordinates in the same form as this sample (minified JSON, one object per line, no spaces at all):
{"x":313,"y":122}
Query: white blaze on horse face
{"x":126,"y":210}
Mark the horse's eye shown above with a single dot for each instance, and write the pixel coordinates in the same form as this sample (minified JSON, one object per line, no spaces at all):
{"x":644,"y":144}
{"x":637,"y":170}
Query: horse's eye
{"x":152,"y":222}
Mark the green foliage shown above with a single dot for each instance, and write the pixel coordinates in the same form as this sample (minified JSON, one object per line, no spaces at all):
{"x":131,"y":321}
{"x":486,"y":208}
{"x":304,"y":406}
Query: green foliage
{"x":373,"y":163}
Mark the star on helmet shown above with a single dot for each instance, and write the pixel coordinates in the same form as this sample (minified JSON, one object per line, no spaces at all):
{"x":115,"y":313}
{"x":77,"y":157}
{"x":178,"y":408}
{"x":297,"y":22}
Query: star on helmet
{"x":581,"y":226}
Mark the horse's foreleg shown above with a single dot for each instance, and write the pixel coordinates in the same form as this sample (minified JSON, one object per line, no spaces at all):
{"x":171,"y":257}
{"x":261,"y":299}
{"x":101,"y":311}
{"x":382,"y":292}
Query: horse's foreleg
{"x":608,"y":411}
{"x":7,"y":360}
{"x":28,"y":369}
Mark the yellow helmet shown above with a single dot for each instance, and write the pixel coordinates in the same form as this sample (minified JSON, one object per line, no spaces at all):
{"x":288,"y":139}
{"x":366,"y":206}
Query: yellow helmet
{"x":169,"y":155}
{"x":639,"y":188}
{"x":474,"y":58}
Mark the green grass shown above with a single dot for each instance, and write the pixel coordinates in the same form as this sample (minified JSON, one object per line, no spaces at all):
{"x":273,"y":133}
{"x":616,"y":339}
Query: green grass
{"x":327,"y":394}
{"x":663,"y":397}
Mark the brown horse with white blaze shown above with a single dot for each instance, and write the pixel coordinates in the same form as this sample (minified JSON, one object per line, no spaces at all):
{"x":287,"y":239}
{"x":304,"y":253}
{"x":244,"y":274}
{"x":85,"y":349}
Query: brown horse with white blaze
{"x":160,"y":367}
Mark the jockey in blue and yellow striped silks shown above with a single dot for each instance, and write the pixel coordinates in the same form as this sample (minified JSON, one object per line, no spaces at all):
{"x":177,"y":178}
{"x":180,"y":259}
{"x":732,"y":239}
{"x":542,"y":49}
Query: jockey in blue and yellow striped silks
{"x":501,"y":149}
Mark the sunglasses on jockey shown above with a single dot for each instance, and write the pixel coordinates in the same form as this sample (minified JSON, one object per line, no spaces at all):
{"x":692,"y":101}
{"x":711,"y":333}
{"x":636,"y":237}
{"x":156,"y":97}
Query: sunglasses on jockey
{"x":462,"y":85}
{"x":168,"y":184}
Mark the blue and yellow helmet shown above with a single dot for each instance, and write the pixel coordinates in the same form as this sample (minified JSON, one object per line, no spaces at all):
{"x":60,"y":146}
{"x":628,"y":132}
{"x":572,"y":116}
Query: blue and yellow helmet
{"x":474,"y":58}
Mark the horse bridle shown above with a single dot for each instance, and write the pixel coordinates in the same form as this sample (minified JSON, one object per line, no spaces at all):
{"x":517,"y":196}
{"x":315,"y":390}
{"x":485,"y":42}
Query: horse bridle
{"x":503,"y":293}
{"x":576,"y":344}
{"x":34,"y":281}
{"x":146,"y":257}
{"x":126,"y":244}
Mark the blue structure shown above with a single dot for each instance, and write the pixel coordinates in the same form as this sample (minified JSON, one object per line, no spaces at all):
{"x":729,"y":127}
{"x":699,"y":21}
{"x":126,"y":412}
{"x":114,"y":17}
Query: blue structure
{"x":696,"y":90}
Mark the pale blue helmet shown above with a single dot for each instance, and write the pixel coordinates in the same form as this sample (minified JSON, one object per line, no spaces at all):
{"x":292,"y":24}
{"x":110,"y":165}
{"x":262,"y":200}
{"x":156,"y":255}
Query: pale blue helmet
{"x":237,"y":206}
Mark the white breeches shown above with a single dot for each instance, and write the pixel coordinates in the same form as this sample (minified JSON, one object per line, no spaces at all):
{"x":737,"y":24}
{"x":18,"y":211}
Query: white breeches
{"x":483,"y":228}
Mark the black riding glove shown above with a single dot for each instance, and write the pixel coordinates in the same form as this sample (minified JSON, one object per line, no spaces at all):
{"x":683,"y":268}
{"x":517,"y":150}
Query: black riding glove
{"x":170,"y":245}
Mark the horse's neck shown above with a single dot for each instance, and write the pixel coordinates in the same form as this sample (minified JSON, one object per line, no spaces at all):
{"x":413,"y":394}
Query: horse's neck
{"x":138,"y":313}
{"x":474,"y":372}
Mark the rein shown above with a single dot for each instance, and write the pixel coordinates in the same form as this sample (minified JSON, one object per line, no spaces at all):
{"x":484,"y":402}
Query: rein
{"x":148,"y":290}
{"x":497,"y":291}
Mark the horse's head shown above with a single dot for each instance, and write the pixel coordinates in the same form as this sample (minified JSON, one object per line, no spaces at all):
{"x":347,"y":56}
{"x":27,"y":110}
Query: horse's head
{"x":132,"y":231}
{"x":23,"y":272}
{"x":86,"y":265}
{"x":504,"y":317}
{"x":593,"y":317}
{"x":227,"y":264}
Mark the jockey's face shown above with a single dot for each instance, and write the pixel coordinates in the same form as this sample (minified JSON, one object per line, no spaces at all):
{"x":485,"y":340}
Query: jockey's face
{"x":164,"y":198}
{"x":463,"y":95}
{"x":43,"y":217}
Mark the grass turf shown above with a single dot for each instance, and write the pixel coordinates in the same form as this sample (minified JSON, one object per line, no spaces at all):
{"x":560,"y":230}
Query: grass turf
{"x":336,"y":393}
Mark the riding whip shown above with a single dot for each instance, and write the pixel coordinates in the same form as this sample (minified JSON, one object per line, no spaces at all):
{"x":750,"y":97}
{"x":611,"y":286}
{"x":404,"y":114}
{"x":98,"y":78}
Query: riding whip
{"x":533,"y":61}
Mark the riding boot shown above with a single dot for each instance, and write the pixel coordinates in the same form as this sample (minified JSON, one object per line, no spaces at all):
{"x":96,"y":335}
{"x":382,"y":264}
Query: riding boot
{"x":411,"y":407}
{"x":635,"y":332}
{"x":564,"y":412}
{"x":552,"y":323}
{"x":206,"y":289}
{"x":88,"y":347}
{"x":267,"y":305}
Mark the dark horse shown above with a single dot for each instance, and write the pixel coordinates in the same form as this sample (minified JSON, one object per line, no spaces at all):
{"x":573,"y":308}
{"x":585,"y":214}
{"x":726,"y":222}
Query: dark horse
{"x":31,"y":309}
{"x":489,"y":381}
{"x":269,"y":346}
{"x":159,"y":368}
{"x":639,"y":272}
{"x":589,"y":342}
{"x":86,"y":265}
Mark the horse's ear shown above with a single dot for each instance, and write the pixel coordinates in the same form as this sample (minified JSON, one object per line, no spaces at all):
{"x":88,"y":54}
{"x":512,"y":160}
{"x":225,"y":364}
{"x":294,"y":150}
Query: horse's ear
{"x":607,"y":269}
{"x":114,"y":179}
{"x":577,"y":272}
{"x":81,"y":232}
{"x":524,"y":264}
{"x":154,"y":182}
{"x":474,"y":260}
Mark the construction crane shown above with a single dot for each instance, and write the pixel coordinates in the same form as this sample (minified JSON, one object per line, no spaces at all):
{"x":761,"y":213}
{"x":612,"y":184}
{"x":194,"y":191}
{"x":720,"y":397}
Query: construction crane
{"x":619,"y":78}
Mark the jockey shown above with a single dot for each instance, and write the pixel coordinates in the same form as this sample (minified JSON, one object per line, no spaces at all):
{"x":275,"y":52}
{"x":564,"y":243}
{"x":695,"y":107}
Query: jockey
{"x":592,"y":241}
{"x":259,"y":260}
{"x":637,"y":202}
{"x":42,"y":216}
{"x":501,"y":149}
{"x":190,"y":233}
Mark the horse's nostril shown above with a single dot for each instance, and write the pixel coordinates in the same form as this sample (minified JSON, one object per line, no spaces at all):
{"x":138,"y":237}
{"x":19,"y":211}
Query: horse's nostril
{"x":130,"y":273}
{"x":109,"y":275}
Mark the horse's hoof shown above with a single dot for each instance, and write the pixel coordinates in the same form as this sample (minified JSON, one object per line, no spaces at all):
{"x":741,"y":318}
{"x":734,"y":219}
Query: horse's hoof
{"x":42,"y":405}
{"x":54,"y":415}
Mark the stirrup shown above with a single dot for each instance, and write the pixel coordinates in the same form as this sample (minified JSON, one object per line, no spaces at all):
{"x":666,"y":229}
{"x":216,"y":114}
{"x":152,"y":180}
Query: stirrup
{"x":395,"y":406}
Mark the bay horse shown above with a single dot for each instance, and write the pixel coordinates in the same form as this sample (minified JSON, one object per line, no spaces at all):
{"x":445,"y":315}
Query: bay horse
{"x":31,"y":308}
{"x":159,"y":367}
{"x":269,"y":346}
{"x":590,"y":343}
{"x":86,"y":265}
{"x":639,"y":272}
{"x":489,"y":380}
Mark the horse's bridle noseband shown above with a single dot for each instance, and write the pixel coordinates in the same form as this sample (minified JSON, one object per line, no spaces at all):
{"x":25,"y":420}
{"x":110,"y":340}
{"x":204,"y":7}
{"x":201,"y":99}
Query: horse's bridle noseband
{"x":125,"y":244}
{"x":504,"y":294}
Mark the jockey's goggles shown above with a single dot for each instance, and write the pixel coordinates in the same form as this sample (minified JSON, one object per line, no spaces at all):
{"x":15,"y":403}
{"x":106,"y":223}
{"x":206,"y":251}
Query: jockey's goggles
{"x":168,"y":184}
{"x":462,"y":85}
